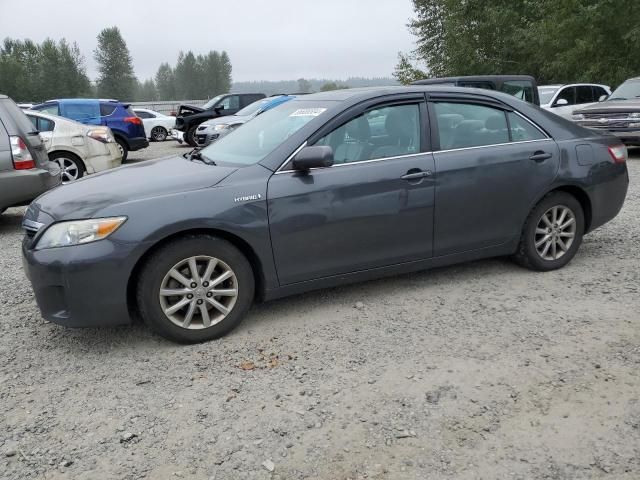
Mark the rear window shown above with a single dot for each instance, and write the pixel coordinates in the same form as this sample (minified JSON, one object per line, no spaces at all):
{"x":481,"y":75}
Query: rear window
{"x":520,"y":89}
{"x":106,"y":109}
{"x":18,"y":116}
{"x":130,"y":111}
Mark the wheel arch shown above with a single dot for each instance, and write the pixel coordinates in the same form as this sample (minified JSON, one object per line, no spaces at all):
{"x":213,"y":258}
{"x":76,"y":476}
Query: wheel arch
{"x":236,"y":241}
{"x":63,"y":151}
{"x":122,"y":137}
{"x":579,"y":194}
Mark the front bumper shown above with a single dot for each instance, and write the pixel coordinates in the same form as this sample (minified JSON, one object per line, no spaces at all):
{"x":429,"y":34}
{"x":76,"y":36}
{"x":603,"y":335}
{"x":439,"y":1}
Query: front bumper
{"x":138,"y":143}
{"x":81,"y":285}
{"x":206,"y":138}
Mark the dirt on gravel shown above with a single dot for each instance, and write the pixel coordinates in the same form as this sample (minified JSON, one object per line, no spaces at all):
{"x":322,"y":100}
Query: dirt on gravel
{"x":477,"y":371}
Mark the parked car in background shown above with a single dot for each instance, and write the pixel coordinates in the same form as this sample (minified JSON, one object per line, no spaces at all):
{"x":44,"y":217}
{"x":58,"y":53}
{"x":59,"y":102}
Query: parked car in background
{"x":523,"y":87}
{"x":25,"y":106}
{"x":304,"y":196}
{"x":156,"y":125}
{"x":189,"y":116}
{"x":25,"y":170}
{"x":564,"y":99}
{"x":212,"y":130}
{"x":126,"y":126}
{"x":619,"y":114}
{"x":77,"y":148}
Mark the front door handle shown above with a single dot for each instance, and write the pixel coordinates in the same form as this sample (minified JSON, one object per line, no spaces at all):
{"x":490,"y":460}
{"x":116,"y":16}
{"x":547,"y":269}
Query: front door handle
{"x":415,"y":174}
{"x":540,"y":156}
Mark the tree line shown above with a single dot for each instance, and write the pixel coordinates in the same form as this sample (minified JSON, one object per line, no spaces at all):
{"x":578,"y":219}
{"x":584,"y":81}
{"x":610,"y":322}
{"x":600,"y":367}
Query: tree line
{"x":556,"y":41}
{"x":35,"y":72}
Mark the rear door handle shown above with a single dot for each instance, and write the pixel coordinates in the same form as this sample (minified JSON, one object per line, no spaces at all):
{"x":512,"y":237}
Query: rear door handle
{"x":416,"y":175}
{"x":540,"y":156}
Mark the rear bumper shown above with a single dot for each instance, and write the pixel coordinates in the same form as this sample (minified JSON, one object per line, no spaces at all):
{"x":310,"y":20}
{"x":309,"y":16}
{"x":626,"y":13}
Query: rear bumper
{"x":19,"y":187}
{"x":628,"y":136}
{"x":608,"y":195}
{"x":104,"y":161}
{"x":83,"y":285}
{"x":137,"y":143}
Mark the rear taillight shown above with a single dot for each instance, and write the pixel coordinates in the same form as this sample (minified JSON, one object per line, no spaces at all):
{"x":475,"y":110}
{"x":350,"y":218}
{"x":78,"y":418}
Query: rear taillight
{"x":22,"y":159}
{"x":101,"y":134}
{"x":134,"y":120}
{"x":618,"y":153}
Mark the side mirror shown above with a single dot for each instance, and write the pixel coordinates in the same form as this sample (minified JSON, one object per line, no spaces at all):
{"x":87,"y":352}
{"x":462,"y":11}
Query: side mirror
{"x":320,"y":156}
{"x":603,"y":98}
{"x":218,"y":108}
{"x":561,"y":102}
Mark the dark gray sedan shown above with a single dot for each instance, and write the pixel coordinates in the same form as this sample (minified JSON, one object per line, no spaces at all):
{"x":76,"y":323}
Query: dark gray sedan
{"x":324,"y":190}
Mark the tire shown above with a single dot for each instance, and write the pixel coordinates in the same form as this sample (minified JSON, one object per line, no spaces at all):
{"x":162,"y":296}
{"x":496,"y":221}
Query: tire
{"x":187,"y":324}
{"x":70,"y":164}
{"x":124,"y":148}
{"x":190,"y":136}
{"x":547,"y":245}
{"x":159,"y":134}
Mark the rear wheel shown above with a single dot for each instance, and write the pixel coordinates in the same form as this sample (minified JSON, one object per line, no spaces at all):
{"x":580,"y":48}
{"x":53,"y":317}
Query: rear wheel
{"x":123,"y":147}
{"x":195,"y":289}
{"x":71,"y":166}
{"x":158,"y":134}
{"x":552,"y":234}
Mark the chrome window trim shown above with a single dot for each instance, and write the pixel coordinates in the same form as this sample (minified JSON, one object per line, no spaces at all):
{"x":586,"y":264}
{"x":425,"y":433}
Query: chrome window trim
{"x":360,"y":162}
{"x":546,"y":137}
{"x":493,"y":145}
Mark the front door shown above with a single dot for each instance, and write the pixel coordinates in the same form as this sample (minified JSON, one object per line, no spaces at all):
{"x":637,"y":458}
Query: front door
{"x":372,"y":208}
{"x":491,"y":166}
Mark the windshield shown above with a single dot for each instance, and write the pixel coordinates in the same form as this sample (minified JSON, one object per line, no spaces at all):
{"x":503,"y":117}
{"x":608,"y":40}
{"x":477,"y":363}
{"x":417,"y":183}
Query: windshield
{"x":259,"y":137}
{"x":628,"y":90}
{"x":212,"y":102}
{"x":546,"y":95}
{"x":252,"y":108}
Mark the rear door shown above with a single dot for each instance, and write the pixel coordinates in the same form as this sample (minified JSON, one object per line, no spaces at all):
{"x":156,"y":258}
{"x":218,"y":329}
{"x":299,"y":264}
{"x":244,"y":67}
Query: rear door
{"x":372,"y":208}
{"x":491,"y":165}
{"x":86,"y":111}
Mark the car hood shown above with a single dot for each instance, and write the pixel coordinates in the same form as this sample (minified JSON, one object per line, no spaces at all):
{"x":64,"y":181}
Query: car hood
{"x":86,"y":197}
{"x":612,"y":106}
{"x":227,"y":119}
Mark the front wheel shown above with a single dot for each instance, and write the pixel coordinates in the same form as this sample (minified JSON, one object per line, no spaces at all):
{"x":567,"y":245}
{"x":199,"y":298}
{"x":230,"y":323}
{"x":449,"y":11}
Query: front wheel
{"x":195,"y":289}
{"x":552,"y":233}
{"x":158,"y":134}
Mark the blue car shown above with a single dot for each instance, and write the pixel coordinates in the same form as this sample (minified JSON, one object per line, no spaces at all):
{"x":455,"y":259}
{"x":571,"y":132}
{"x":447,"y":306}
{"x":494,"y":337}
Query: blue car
{"x":126,"y":126}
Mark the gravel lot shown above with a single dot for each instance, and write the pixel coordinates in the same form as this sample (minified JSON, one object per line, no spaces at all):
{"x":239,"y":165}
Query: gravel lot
{"x":482,"y":370}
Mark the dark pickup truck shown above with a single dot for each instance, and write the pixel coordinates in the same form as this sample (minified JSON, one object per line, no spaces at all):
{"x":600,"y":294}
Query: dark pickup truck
{"x":189,"y":117}
{"x":523,"y":87}
{"x":619,"y":114}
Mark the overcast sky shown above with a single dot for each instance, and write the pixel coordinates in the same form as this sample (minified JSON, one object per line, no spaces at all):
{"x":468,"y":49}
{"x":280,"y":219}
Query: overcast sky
{"x":266,"y":40}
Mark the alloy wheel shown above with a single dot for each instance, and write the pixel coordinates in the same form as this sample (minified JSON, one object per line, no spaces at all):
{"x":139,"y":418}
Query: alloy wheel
{"x":555,"y":232}
{"x":159,"y":134}
{"x":69,"y":168}
{"x":198,"y":292}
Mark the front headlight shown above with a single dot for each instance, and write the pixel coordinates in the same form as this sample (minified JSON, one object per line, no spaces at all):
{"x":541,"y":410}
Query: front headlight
{"x":76,"y":232}
{"x":577,"y":117}
{"x":220,"y":126}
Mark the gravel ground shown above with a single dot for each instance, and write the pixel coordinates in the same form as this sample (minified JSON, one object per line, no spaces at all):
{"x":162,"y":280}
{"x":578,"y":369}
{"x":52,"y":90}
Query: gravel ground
{"x":482,"y":370}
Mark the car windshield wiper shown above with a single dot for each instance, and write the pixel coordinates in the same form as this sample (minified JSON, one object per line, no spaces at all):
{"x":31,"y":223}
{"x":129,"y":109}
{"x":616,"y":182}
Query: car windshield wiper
{"x":617,"y":98}
{"x":196,"y":154}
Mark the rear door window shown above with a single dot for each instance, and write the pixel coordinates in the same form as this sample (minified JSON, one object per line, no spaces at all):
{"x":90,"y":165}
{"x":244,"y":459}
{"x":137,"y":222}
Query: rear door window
{"x":142,"y":114}
{"x":51,"y":109}
{"x":464,"y":125}
{"x":598,"y":92}
{"x":523,"y":130}
{"x":584,"y":94}
{"x":82,"y":112}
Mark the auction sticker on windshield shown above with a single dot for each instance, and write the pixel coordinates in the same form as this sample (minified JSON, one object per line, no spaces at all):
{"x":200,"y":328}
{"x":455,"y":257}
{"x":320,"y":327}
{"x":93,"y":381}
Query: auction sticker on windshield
{"x":307,"y":112}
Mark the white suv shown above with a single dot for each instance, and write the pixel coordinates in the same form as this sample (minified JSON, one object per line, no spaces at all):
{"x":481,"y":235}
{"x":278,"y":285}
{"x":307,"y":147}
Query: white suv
{"x":564,"y":99}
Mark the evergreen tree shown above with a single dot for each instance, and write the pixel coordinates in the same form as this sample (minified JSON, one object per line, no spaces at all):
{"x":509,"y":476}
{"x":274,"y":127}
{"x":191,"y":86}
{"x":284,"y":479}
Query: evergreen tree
{"x":116,"y":77}
{"x":224,"y":76}
{"x":165,"y":82}
{"x":186,"y":76}
{"x":146,"y":91}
